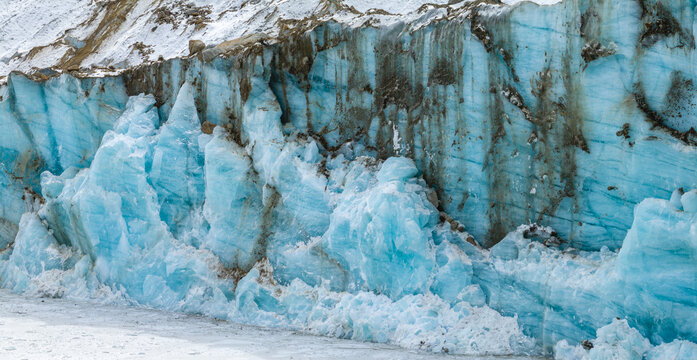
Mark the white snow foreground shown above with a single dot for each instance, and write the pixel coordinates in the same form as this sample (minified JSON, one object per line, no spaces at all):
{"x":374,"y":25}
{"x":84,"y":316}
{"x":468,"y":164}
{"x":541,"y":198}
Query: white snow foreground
{"x":32,"y":328}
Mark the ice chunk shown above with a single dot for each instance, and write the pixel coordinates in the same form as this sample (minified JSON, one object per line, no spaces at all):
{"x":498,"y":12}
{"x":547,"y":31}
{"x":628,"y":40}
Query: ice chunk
{"x":35,"y":251}
{"x":233,"y":207}
{"x":176,"y":172}
{"x":657,"y":265}
{"x":676,"y":350}
{"x":689,"y":201}
{"x":618,"y":341}
{"x":311,"y":153}
{"x":675,"y":199}
{"x":397,"y":169}
{"x":382,"y":236}
{"x":453,"y":277}
{"x":420,"y":322}
{"x":507,"y":249}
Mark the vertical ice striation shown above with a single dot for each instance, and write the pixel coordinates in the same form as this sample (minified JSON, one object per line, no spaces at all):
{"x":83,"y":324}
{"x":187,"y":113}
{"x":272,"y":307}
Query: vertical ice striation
{"x":177,"y":156}
{"x":233,"y":206}
{"x":341,"y":180}
{"x":110,"y":215}
{"x":53,"y":125}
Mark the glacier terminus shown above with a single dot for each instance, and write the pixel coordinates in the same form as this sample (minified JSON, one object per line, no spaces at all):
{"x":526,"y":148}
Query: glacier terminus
{"x":464,"y":177}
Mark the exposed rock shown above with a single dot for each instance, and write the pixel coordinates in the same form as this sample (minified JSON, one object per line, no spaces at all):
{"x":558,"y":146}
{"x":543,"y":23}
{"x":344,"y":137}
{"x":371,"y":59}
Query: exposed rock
{"x":209,"y":54}
{"x":207,"y":127}
{"x":196,"y":46}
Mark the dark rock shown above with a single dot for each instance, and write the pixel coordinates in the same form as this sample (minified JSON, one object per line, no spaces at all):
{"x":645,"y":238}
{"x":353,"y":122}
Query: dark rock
{"x":196,"y":46}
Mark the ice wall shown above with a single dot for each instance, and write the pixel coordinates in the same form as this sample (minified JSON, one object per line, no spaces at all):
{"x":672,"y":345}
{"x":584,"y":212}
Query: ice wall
{"x":542,"y":114}
{"x":48,"y":126}
{"x":526,"y":114}
{"x":340,"y":181}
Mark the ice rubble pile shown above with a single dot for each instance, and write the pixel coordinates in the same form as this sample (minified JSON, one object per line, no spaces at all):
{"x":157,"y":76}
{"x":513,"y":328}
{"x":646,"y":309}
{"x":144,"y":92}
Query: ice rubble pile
{"x":283,"y":232}
{"x":170,"y":217}
{"x":619,"y":341}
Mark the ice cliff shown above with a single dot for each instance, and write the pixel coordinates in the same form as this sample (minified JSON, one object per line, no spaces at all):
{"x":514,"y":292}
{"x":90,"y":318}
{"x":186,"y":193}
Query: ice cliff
{"x":481,"y":179}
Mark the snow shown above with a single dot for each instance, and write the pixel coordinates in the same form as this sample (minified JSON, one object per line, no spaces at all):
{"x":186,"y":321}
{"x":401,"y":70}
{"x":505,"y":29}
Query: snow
{"x":37,"y":34}
{"x":37,"y":329}
{"x":28,"y":24}
{"x":307,"y":207}
{"x":539,"y":2}
{"x":393,"y":7}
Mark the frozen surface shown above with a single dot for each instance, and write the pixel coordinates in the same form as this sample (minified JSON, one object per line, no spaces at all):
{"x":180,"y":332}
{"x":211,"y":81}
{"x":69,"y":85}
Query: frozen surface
{"x":651,"y":281}
{"x":620,"y":342}
{"x":124,"y":230}
{"x":356,"y":251}
{"x":370,"y":182}
{"x":95,"y":35}
{"x":61,"y":329}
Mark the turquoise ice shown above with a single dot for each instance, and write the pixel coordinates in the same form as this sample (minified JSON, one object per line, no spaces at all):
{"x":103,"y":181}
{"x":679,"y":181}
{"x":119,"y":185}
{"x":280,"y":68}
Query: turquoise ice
{"x":619,"y":341}
{"x":513,"y":181}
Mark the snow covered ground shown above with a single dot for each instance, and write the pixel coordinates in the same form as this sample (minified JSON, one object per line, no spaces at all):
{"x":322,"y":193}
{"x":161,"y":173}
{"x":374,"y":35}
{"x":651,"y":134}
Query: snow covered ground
{"x":94,"y":35}
{"x":32,"y":328}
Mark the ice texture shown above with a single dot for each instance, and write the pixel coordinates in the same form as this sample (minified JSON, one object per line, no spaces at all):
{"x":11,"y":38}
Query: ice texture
{"x":621,"y":342}
{"x":48,"y":126}
{"x":343,"y":182}
{"x":190,"y":257}
{"x":651,"y":281}
{"x":261,"y":234}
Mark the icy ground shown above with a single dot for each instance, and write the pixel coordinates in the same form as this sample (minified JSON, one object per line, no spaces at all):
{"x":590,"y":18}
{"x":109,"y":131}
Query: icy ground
{"x":32,"y":328}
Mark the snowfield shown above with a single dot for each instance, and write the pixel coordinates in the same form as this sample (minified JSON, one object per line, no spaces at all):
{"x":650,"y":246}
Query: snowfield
{"x":32,"y":328}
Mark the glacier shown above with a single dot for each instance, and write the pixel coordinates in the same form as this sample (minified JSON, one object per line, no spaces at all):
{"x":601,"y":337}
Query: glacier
{"x":501,"y":180}
{"x":619,"y":341}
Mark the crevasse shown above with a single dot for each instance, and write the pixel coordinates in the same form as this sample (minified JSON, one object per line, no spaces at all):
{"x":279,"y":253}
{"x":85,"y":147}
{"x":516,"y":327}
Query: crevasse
{"x":266,"y":186}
